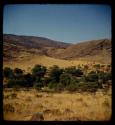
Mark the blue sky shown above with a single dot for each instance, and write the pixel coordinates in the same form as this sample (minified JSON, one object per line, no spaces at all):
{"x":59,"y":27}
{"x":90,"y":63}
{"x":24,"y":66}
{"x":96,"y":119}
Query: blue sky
{"x":66,"y":23}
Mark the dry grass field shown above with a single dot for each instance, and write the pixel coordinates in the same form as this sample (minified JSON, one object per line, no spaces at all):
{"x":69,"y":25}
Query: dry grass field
{"x":30,"y":61}
{"x":22,"y":104}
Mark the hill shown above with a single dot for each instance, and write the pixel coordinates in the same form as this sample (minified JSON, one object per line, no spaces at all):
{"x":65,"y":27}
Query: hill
{"x":21,"y":48}
{"x":95,"y":50}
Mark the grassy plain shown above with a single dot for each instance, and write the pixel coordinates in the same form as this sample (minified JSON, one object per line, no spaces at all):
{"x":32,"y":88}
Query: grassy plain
{"x":64,"y":106}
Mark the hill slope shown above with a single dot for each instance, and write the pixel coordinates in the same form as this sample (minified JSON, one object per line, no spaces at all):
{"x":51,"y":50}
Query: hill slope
{"x":21,"y":47}
{"x":95,"y":50}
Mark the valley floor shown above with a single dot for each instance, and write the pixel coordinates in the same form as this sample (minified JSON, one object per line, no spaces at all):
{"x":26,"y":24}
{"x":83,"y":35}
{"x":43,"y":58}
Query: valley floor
{"x":22,"y":104}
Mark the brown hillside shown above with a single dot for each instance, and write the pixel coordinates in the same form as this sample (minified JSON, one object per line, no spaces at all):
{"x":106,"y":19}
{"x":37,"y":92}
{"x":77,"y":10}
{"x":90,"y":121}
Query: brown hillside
{"x":96,"y":50}
{"x":16,"y":47}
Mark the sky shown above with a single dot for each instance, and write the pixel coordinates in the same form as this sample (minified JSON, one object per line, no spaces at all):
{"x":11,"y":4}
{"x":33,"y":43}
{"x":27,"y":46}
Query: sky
{"x":71,"y":23}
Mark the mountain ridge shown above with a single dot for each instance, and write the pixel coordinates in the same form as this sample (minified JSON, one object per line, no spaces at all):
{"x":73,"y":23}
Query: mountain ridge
{"x":95,"y":50}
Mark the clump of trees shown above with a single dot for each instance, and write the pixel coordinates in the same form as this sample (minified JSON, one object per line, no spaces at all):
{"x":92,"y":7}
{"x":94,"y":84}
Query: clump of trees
{"x":71,"y":78}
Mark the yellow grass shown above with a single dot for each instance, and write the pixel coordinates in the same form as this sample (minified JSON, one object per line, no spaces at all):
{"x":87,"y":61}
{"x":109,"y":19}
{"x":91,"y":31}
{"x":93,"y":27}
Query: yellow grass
{"x":58,"y":106}
{"x":27,"y":63}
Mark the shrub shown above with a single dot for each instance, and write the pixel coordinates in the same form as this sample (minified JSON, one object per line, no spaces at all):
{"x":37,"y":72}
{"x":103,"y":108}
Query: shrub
{"x":18,"y":72}
{"x":46,"y":81}
{"x":12,"y":83}
{"x":65,"y":79}
{"x":7,"y":72}
{"x":60,"y":87}
{"x":71,"y":87}
{"x":55,"y":73}
{"x":104,"y":77}
{"x":72,"y":70}
{"x":52,"y":85}
{"x":21,"y":82}
{"x":38,"y":84}
{"x":92,"y":77}
{"x":37,"y":73}
{"x":28,"y":80}
{"x":39,"y":70}
{"x":87,"y":86}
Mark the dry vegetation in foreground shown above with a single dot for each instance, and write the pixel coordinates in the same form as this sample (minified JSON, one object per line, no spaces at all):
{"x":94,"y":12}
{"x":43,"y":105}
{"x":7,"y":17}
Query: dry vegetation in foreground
{"x":23,"y":104}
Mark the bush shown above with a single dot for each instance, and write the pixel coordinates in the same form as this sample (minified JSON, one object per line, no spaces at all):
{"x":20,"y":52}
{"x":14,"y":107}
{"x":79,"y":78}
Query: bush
{"x":87,"y":86}
{"x":46,"y":81}
{"x":71,"y":87}
{"x":39,"y":71}
{"x":104,"y":77}
{"x":55,"y":73}
{"x":72,"y":70}
{"x":21,"y":82}
{"x":65,"y":79}
{"x":52,"y":85}
{"x":92,"y":77}
{"x":18,"y":72}
{"x":38,"y":84}
{"x":60,"y":87}
{"x":28,"y":80}
{"x":8,"y":73}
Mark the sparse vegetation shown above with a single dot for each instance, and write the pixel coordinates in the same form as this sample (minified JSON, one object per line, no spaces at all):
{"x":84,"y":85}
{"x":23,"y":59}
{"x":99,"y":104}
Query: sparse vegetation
{"x":74,"y":106}
{"x":39,"y":92}
{"x":56,"y":78}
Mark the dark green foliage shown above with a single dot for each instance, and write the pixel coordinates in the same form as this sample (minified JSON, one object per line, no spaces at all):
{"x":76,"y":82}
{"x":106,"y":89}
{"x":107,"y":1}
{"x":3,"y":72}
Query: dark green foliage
{"x":17,"y":83}
{"x":13,"y":83}
{"x":87,"y":86}
{"x":18,"y":72}
{"x":72,"y":86}
{"x":7,"y":72}
{"x":52,"y":85}
{"x":28,"y":80}
{"x":58,"y":79}
{"x":65,"y":79}
{"x":72,"y":70}
{"x":91,"y":77}
{"x":23,"y":81}
{"x":38,"y":84}
{"x":104,"y":76}
{"x":55,"y":73}
{"x":60,"y":87}
{"x":47,"y":80}
{"x":39,"y":71}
